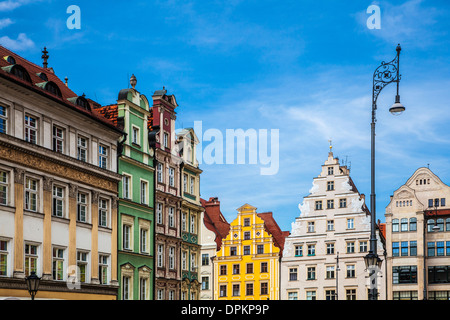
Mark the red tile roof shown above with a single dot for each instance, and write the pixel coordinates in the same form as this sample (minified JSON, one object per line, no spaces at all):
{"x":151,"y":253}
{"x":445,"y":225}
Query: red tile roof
{"x":33,"y":71}
{"x":214,"y":220}
{"x":272,"y":228}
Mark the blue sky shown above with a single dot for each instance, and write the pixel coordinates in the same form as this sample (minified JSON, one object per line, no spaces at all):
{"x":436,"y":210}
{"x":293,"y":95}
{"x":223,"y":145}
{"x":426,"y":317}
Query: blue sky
{"x":303,"y":67}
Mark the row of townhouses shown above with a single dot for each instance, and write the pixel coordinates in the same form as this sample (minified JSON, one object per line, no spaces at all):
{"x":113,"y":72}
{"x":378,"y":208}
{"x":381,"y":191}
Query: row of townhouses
{"x":103,"y":202}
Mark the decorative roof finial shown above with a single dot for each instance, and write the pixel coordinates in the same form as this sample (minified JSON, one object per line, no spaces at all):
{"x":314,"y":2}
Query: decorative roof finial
{"x":331,"y":146}
{"x":133,"y":81}
{"x":66,"y":79}
{"x":45,"y":57}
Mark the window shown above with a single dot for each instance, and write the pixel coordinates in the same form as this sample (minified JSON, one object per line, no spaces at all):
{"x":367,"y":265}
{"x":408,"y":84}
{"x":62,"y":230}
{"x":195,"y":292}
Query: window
{"x":205,"y":283}
{"x":330,"y":248}
{"x":205,"y":259}
{"x":3,"y":258}
{"x":293,"y":274}
{"x":171,"y":217}
{"x":192,"y":186}
{"x":184,"y":260}
{"x":185,"y":178}
{"x":260,"y":249}
{"x":193,"y":224}
{"x":311,"y":249}
{"x":159,"y":172}
{"x":350,"y":294}
{"x":82,"y":207}
{"x":126,"y":287}
{"x":440,"y":248}
{"x":405,"y":295}
{"x":223,"y":270}
{"x":311,"y":226}
{"x":351,"y":271}
{"x":330,"y":204}
{"x":330,"y":225}
{"x":159,"y":213}
{"x":236,"y":290}
{"x":431,"y":249}
{"x":330,"y":185}
{"x":82,"y":146}
{"x":330,"y":272}
{"x":404,"y":248}
{"x":160,"y":257}
{"x":351,"y":247}
{"x":31,"y":129}
{"x":363,"y":246}
{"x":264,"y":267}
{"x":404,"y":274}
{"x":82,"y":262}
{"x":4,"y":188}
{"x":330,"y":294}
{"x":183,"y":221}
{"x":343,"y":203}
{"x":171,"y":258}
{"x":293,"y":295}
{"x":233,"y":251}
{"x":223,"y":290}
{"x":160,"y":294}
{"x":58,"y":201}
{"x":143,"y":288}
{"x":103,"y":213}
{"x":311,"y":273}
{"x":166,"y":140}
{"x":58,"y":139}
{"x":3,"y":119}
{"x":447,"y":250}
{"x":430,"y":225}
{"x":318,"y":205}
{"x":103,"y":157}
{"x":442,"y":202}
{"x":172,"y":177}
{"x":395,"y":225}
{"x":440,"y":224}
{"x":249,"y":289}
{"x":350,"y":223}
{"x":126,"y":237}
{"x":246,"y":222}
{"x":330,"y":170}
{"x":395,"y":249}
{"x":447,"y":224}
{"x":31,"y":194}
{"x":249,"y":267}
{"x":413,"y":224}
{"x":144,"y":192}
{"x":135,"y":135}
{"x":310,"y":295}
{"x":126,"y":187}
{"x":31,"y":256}
{"x":264,"y":288}
{"x":413,"y":248}
{"x":103,"y":268}
{"x":58,"y":264}
{"x":236,"y":269}
{"x":439,"y":274}
{"x":246,"y":250}
{"x":298,"y":251}
{"x":404,"y":224}
{"x":430,"y":203}
{"x":143,"y":240}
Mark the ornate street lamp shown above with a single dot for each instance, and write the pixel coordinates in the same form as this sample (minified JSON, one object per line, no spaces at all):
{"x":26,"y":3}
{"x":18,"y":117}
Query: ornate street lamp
{"x":385,"y":74}
{"x":33,"y":284}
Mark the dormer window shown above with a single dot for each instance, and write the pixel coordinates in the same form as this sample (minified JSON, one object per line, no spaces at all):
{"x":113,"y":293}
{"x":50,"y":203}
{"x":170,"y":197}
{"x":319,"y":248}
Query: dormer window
{"x":10,"y":59}
{"x":18,"y":71}
{"x":53,"y":89}
{"x":43,"y":76}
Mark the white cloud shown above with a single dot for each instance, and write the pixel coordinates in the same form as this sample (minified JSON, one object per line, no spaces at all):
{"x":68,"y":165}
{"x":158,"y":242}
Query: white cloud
{"x":20,"y":44}
{"x":10,"y":5}
{"x":5,"y":22}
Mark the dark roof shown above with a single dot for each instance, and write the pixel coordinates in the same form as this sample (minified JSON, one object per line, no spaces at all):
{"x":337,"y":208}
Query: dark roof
{"x":214,"y":220}
{"x":273,"y":228}
{"x":35,"y":73}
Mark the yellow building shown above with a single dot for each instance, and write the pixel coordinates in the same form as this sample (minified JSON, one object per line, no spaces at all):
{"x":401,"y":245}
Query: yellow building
{"x":248,"y":262}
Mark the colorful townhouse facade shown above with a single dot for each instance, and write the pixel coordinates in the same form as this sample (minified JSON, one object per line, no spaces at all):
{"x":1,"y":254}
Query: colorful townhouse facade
{"x":323,"y":256}
{"x":59,"y":187}
{"x":247,"y":265}
{"x":168,"y":198}
{"x":213,"y":229}
{"x":418,"y":239}
{"x":131,"y":113}
{"x":191,"y":214}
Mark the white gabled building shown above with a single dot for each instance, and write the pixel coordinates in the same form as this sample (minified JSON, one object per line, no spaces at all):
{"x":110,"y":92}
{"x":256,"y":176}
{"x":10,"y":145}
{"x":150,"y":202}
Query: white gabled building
{"x":329,"y":240}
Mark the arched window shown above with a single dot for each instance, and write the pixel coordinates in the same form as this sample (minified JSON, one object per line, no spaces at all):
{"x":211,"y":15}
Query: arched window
{"x":53,"y":89}
{"x":395,"y":225}
{"x":82,"y":102}
{"x":440,"y":224}
{"x":404,"y":225}
{"x":42,"y":75}
{"x":10,"y":59}
{"x":18,"y":71}
{"x":430,"y":225}
{"x":412,"y":224}
{"x":447,"y":224}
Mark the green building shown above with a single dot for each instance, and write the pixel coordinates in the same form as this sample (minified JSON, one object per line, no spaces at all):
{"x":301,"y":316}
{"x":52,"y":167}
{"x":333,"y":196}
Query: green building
{"x":136,"y":195}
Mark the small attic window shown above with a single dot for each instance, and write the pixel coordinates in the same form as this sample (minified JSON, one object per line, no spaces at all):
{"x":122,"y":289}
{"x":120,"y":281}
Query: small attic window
{"x":42,"y":75}
{"x":82,"y":102}
{"x":10,"y":59}
{"x":53,"y":89}
{"x":20,"y":72}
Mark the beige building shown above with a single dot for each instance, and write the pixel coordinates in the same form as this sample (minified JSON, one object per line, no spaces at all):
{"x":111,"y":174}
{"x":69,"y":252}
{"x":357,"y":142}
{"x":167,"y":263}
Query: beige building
{"x":418,"y":239}
{"x":323,"y":257}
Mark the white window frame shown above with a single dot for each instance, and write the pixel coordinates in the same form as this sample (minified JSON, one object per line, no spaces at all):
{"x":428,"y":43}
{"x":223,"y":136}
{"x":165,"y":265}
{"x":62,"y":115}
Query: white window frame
{"x":103,"y":267}
{"x":159,"y":213}
{"x":192,"y":185}
{"x":82,"y":204}
{"x":58,"y":140}
{"x":126,"y":186}
{"x":30,"y":192}
{"x":171,"y":177}
{"x":4,"y":118}
{"x":103,"y":156}
{"x":126,"y":236}
{"x":160,"y":256}
{"x":171,"y":217}
{"x":171,"y":258}
{"x":56,"y":259}
{"x":5,"y":252}
{"x":144,"y":192}
{"x":28,"y":256}
{"x":103,"y":213}
{"x":82,"y":148}
{"x":4,"y":187}
{"x":160,"y":172}
{"x":143,"y":239}
{"x":135,"y":136}
{"x":29,"y":129}
{"x":58,"y":200}
{"x":83,"y":259}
